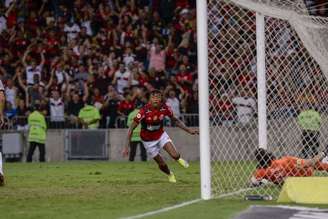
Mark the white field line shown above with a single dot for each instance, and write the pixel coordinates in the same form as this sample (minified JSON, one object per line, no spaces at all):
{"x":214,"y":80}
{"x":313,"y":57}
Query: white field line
{"x":150,"y":213}
{"x":183,"y":204}
{"x":237,"y":192}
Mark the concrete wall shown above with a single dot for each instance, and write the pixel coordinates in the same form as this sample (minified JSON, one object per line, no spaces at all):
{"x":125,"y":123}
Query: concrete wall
{"x":229,"y":142}
{"x":117,"y":140}
{"x":186,"y":144}
{"x":55,"y":145}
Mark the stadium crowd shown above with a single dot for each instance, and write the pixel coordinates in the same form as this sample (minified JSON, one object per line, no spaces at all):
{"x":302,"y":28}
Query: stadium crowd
{"x":63,"y":55}
{"x":110,"y":54}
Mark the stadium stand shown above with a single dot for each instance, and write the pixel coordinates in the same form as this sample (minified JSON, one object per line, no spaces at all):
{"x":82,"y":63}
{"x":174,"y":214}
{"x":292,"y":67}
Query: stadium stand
{"x":110,"y":53}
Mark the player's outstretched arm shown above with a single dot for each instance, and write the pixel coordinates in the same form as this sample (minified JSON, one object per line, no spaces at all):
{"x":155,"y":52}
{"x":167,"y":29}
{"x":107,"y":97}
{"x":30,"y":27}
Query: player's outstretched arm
{"x":133,"y":125}
{"x":313,"y":161}
{"x":182,"y":126}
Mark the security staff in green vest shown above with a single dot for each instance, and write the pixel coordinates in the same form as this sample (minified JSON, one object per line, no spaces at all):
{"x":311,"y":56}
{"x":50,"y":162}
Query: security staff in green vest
{"x":135,"y":139}
{"x":89,"y":116}
{"x":37,"y":133}
{"x":309,"y":120}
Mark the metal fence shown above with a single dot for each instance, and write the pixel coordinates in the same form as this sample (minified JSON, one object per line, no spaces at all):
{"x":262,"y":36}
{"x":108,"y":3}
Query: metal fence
{"x":86,"y":144}
{"x":20,"y":122}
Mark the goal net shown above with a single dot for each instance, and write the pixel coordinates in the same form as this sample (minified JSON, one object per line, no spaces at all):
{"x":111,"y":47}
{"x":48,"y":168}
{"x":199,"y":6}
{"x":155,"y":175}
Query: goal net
{"x":296,"y":66}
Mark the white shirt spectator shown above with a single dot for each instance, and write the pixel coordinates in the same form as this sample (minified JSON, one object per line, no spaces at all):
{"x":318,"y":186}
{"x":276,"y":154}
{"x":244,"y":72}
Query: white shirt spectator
{"x":134,"y":82}
{"x":174,"y":103}
{"x":76,"y":50}
{"x":30,"y":72}
{"x":122,"y":80}
{"x":11,"y":96}
{"x":2,"y":88}
{"x":3,"y":24}
{"x":128,"y":58}
{"x":60,"y":75}
{"x":245,"y":108}
{"x":56,"y":110}
{"x":87,"y":25}
{"x":72,"y":31}
{"x":8,"y":3}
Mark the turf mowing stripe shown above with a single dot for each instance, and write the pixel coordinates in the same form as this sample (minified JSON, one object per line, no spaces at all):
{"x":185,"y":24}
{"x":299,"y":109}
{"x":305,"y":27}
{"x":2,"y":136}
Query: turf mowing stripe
{"x":163,"y":209}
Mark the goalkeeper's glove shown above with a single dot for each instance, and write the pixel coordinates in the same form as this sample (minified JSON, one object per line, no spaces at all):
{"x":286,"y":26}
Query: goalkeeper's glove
{"x":258,"y":182}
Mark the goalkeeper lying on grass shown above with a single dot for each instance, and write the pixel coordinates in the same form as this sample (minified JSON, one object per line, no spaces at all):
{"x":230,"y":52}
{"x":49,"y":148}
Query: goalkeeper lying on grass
{"x":270,"y":169}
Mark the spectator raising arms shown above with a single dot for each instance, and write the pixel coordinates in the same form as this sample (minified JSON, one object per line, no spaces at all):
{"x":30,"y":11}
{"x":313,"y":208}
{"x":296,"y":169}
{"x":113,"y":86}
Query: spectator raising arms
{"x":49,"y":54}
{"x":33,"y":68}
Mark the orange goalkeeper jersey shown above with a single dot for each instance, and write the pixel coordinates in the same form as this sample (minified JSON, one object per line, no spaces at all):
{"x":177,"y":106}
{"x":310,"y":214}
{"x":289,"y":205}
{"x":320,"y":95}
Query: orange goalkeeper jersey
{"x":282,"y":168}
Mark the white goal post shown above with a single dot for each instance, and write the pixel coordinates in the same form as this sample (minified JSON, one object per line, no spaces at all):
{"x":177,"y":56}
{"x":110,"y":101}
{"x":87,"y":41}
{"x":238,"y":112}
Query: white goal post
{"x":260,"y":64}
{"x":203,"y":89}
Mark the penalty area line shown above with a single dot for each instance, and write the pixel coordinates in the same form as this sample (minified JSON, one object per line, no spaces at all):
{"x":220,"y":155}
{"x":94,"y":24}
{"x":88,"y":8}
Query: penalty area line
{"x":163,"y":209}
{"x":183,"y":204}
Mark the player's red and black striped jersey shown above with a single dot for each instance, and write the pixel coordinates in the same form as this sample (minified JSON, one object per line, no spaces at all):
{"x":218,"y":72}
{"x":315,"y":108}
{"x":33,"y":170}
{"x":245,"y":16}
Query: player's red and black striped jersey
{"x":152,"y":121}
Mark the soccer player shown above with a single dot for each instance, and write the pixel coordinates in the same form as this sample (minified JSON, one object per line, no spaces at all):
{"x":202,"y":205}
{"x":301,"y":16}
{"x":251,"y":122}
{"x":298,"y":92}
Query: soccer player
{"x":2,"y":105}
{"x":271,"y":169}
{"x":154,"y":138}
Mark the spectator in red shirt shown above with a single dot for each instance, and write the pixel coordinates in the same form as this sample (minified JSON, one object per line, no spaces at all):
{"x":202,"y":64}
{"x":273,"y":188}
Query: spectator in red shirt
{"x":12,"y":16}
{"x":98,"y":99}
{"x":184,"y":78}
{"x":52,"y":43}
{"x":101,"y":35}
{"x":127,"y":105}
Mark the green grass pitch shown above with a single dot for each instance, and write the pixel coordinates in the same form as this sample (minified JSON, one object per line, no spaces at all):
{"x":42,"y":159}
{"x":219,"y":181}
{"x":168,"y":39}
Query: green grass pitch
{"x":105,"y":190}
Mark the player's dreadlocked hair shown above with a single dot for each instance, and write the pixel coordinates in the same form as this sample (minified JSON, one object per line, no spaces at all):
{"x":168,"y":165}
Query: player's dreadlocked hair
{"x":263,"y":158}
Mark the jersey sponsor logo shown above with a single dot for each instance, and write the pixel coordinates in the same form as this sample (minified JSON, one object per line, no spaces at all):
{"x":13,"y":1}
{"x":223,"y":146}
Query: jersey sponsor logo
{"x":153,"y":127}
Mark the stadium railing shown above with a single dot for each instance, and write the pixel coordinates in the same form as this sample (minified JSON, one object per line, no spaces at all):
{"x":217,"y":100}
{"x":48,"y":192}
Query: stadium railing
{"x":20,"y":122}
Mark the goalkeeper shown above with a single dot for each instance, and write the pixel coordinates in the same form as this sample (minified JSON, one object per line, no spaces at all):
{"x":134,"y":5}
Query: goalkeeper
{"x":271,"y":169}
